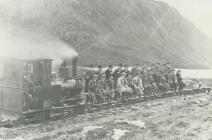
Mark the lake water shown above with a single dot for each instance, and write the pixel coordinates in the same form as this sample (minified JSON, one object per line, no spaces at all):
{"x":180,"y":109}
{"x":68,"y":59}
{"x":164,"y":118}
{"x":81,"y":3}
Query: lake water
{"x":197,"y":73}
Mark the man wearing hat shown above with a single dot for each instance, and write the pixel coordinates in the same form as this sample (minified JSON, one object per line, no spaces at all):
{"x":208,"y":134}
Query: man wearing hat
{"x":145,"y":66}
{"x":164,"y":68}
{"x":158,"y":64}
{"x":109,"y":72}
{"x":100,"y":72}
{"x":169,"y":65}
{"x":135,"y":70}
{"x":126,"y":69}
{"x":88,"y":77}
{"x":117,"y":73}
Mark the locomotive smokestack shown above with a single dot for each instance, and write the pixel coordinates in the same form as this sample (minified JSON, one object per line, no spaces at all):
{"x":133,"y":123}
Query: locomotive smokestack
{"x":74,"y":66}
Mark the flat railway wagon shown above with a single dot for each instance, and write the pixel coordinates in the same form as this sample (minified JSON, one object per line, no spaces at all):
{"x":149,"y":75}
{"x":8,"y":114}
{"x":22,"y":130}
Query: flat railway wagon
{"x":29,"y":92}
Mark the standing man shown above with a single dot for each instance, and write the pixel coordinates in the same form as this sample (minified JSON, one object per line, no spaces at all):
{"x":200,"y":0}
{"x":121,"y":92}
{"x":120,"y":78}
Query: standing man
{"x":109,"y":72}
{"x":101,"y":89}
{"x":117,"y":73}
{"x":180,"y":81}
{"x":92,"y":89}
{"x":157,"y":76}
{"x":100,"y":72}
{"x":88,"y":76}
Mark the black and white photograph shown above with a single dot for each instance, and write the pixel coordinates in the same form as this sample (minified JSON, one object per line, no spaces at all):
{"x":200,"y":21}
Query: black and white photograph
{"x":105,"y":69}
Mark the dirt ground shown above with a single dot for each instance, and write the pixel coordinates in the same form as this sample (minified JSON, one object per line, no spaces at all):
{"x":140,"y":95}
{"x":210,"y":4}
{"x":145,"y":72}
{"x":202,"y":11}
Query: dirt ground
{"x":176,"y":118}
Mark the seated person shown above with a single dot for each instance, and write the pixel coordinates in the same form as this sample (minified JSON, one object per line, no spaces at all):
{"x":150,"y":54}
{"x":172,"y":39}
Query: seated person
{"x":164,"y":86}
{"x":101,"y":89}
{"x":110,"y":88}
{"x":145,"y":82}
{"x":153,"y":88}
{"x":173,"y":80}
{"x":138,"y":87}
{"x":130,"y":84}
{"x":122,"y":85}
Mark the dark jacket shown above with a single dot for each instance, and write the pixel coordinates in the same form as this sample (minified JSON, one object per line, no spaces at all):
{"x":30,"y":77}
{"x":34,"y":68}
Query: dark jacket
{"x":110,"y":84}
{"x":117,"y":74}
{"x":134,"y":72}
{"x":108,"y":73}
{"x":180,"y":81}
{"x":89,"y":75}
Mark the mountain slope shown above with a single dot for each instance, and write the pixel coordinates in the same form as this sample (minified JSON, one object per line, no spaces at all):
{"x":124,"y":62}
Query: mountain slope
{"x":114,"y":31}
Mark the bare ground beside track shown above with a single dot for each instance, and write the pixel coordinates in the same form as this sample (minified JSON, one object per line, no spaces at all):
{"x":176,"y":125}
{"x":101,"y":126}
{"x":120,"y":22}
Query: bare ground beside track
{"x":176,"y":118}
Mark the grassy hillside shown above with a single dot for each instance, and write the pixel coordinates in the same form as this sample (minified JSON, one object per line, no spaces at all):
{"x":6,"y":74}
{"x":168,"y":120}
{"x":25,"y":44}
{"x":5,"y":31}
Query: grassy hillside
{"x":114,"y":31}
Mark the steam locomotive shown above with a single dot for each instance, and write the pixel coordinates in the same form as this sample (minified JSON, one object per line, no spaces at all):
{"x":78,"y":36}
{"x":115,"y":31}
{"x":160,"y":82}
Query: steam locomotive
{"x":27,"y":92}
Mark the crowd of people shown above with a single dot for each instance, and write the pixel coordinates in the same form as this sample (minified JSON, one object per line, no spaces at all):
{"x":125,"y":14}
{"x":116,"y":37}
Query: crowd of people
{"x":123,"y":82}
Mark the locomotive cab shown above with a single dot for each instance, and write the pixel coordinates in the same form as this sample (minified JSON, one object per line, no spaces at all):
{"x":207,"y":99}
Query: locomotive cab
{"x":26,"y":84}
{"x":11,"y":90}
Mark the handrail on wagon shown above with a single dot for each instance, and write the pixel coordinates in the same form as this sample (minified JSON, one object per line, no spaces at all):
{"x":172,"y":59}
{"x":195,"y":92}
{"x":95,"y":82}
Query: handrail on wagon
{"x":50,"y":109}
{"x":71,"y":99}
{"x":11,"y":87}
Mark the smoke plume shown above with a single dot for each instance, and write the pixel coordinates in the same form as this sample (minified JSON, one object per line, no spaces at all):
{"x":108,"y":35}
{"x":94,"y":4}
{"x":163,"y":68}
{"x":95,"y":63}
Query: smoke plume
{"x":21,"y":45}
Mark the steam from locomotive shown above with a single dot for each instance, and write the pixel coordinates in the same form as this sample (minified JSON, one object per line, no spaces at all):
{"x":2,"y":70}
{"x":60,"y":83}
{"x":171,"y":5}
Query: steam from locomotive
{"x":22,"y":45}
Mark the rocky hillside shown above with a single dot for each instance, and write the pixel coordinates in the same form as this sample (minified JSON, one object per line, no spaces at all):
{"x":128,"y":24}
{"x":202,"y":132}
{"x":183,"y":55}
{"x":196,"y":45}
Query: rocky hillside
{"x":114,"y":31}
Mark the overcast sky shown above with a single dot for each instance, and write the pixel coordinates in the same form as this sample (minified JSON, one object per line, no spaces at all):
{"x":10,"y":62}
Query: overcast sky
{"x":197,"y":11}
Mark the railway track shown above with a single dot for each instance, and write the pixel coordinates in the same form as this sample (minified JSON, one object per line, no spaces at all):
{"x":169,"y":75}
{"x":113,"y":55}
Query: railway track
{"x":73,"y":110}
{"x":33,"y":126}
